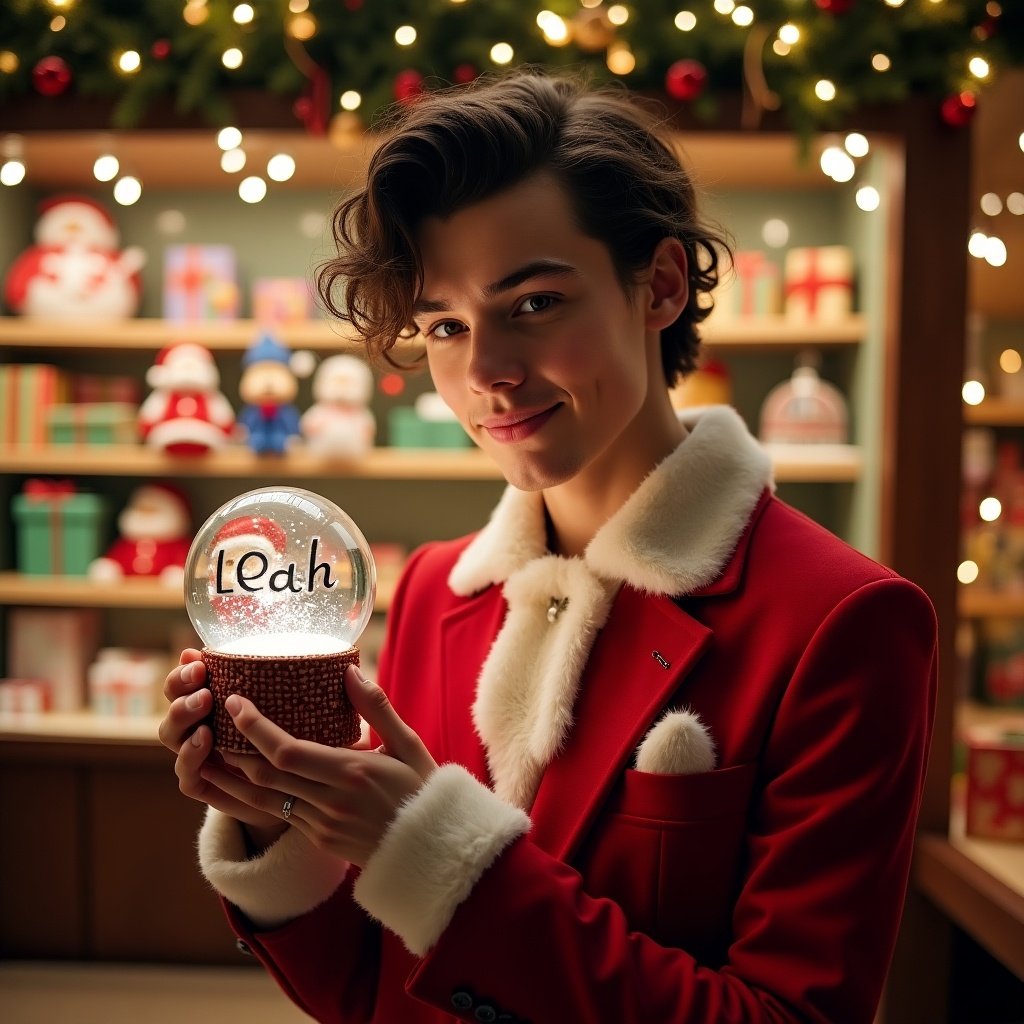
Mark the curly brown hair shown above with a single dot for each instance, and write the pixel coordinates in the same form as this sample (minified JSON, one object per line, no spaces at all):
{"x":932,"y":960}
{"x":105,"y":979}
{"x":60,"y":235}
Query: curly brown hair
{"x":457,"y":146}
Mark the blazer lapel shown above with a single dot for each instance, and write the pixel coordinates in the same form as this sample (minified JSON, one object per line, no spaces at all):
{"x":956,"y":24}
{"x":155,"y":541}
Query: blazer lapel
{"x":467,"y":635}
{"x":639,"y":660}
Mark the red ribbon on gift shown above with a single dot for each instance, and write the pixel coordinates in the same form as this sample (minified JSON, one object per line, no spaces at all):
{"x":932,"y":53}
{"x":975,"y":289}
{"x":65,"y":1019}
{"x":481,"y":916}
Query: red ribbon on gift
{"x":54,"y":492}
{"x":812,"y":282}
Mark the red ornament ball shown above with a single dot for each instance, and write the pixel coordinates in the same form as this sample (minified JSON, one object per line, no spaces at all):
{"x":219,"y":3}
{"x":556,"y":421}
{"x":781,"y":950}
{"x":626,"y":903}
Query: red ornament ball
{"x":51,"y":76}
{"x":302,"y":108}
{"x":685,"y":79}
{"x":834,"y":6}
{"x":161,"y":49}
{"x":408,"y":85}
{"x":464,"y":74}
{"x":958,"y":109}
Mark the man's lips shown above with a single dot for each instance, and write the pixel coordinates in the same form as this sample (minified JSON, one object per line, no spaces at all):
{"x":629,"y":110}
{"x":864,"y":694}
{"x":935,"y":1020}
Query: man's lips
{"x":517,"y":425}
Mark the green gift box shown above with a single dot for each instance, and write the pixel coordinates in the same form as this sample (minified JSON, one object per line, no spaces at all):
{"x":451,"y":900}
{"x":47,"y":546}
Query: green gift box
{"x":407,"y":429}
{"x":93,"y":423}
{"x":59,"y":530}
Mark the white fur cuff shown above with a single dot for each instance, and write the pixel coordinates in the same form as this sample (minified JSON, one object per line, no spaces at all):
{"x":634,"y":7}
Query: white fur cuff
{"x":434,"y":852}
{"x":287,"y":880}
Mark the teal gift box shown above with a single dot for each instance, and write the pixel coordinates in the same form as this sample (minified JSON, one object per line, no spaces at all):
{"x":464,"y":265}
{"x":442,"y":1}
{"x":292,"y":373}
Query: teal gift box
{"x":408,"y":429}
{"x":60,"y":530}
{"x":93,"y":423}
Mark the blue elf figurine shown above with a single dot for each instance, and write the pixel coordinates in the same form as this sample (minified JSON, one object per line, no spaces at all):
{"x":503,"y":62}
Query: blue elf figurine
{"x":268,"y":387}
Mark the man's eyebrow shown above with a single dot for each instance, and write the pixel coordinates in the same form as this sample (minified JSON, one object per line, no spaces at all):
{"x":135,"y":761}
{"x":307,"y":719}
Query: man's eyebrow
{"x":537,"y":268}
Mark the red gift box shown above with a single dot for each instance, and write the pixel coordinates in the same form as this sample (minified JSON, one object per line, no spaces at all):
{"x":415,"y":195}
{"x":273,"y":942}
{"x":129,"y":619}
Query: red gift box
{"x":995,"y":782}
{"x":819,"y":283}
{"x":26,"y":394}
{"x":24,"y":696}
{"x":95,"y":387}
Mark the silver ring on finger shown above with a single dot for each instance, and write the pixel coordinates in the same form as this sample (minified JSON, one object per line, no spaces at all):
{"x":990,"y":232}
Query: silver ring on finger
{"x":286,"y":807}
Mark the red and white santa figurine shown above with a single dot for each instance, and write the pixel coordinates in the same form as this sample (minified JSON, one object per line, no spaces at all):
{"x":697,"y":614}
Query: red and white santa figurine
{"x":154,"y":537}
{"x":76,"y":269}
{"x":245,"y":548}
{"x":186,"y":414}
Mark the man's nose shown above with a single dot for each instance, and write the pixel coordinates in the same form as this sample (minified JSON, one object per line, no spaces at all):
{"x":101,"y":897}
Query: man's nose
{"x":495,"y":361}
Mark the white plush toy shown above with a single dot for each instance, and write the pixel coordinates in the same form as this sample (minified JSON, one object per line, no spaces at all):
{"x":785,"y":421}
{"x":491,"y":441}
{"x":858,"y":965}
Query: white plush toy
{"x":339,"y":423}
{"x":186,"y":414}
{"x":76,"y":269}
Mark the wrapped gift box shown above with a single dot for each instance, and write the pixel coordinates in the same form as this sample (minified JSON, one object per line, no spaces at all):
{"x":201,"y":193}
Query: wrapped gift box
{"x":200,"y":283}
{"x":281,"y":300}
{"x":60,"y":531}
{"x":409,"y":430}
{"x":819,"y":283}
{"x":27,"y":392}
{"x":125,"y":681}
{"x":995,"y":782}
{"x":24,"y":696}
{"x":93,"y":423}
{"x":97,"y":387}
{"x":1000,"y":662}
{"x":754,"y":288}
{"x":54,"y":645}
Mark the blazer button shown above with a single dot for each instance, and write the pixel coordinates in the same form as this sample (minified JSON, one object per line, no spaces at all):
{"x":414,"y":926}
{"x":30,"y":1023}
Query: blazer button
{"x":486,"y":1014}
{"x":243,"y":947}
{"x":462,"y":1000}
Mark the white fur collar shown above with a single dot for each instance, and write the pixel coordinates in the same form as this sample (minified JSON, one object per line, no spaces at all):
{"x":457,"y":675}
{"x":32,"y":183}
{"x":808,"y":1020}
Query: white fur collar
{"x":673,"y":536}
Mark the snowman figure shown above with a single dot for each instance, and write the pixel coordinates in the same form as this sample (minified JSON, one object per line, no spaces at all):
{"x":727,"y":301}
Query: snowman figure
{"x":186,"y":414}
{"x":154,"y":538}
{"x":339,"y":423}
{"x":76,"y":269}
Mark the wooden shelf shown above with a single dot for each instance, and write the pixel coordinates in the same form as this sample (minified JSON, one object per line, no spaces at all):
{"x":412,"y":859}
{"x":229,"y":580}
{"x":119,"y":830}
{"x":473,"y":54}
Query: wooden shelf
{"x":995,"y":412}
{"x":793,"y":463}
{"x":239,"y":461}
{"x":79,"y":727}
{"x":978,"y":883}
{"x":150,"y":334}
{"x":78,"y":592}
{"x":975,"y":602}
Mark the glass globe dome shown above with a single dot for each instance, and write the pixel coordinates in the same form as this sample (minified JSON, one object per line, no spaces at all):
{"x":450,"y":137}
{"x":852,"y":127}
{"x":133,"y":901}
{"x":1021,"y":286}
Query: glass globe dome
{"x":279,"y":571}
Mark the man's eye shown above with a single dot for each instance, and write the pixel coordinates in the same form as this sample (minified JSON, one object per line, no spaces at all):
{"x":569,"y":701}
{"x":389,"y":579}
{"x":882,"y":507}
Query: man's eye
{"x":536,"y":303}
{"x":445,"y":329}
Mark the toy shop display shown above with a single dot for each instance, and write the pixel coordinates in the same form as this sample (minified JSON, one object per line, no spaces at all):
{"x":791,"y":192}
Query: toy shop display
{"x":804,"y":410}
{"x":709,"y":384}
{"x":92,"y":423}
{"x":186,"y":413}
{"x":154,"y":538}
{"x":1000,"y":662}
{"x":125,"y":682}
{"x":428,"y":423}
{"x":818,"y":283}
{"x":268,"y":386}
{"x":281,"y":300}
{"x":56,"y":646}
{"x":59,"y":528}
{"x":995,"y":782}
{"x":76,"y":270}
{"x":27,"y":393}
{"x":754,"y":288}
{"x":340,"y":423}
{"x":200,"y":283}
{"x":24,"y":696}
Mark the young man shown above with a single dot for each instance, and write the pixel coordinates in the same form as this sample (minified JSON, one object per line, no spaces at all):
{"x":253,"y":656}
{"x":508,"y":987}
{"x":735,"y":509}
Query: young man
{"x":682,"y":728}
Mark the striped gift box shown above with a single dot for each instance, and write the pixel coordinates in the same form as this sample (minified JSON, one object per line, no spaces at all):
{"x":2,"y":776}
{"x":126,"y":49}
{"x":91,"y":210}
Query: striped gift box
{"x":27,"y":393}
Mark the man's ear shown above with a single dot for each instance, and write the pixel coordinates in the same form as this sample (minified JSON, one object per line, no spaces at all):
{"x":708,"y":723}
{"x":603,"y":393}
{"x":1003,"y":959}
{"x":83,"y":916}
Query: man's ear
{"x":667,"y":285}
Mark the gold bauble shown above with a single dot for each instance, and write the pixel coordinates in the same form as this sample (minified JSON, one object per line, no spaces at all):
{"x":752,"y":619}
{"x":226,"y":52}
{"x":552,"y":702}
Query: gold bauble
{"x":592,"y":31}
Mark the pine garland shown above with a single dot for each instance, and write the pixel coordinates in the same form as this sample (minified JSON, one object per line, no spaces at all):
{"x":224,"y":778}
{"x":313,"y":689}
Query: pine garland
{"x":928,"y":44}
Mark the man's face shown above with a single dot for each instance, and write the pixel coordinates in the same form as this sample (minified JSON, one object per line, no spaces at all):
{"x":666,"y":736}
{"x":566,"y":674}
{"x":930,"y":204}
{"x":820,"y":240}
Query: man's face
{"x":530,"y":338}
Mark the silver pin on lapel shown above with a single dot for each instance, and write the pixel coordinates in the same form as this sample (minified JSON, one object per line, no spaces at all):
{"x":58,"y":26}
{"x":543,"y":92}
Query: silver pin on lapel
{"x":556,"y":606}
{"x":660,"y":659}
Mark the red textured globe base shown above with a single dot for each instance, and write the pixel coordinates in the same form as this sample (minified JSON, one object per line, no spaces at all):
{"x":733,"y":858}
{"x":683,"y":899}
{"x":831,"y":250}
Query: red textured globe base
{"x":304,"y":694}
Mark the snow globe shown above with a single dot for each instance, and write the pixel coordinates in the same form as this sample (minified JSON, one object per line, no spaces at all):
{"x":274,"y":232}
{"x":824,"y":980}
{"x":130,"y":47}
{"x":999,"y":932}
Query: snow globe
{"x":279,"y":584}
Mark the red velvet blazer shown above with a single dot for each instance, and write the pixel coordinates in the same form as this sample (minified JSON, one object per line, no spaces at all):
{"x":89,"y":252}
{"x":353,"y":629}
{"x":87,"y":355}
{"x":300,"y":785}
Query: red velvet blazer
{"x":769,"y":889}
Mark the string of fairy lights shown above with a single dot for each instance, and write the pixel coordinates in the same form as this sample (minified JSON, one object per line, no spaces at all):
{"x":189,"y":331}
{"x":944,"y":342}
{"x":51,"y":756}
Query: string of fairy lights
{"x":606,"y":36}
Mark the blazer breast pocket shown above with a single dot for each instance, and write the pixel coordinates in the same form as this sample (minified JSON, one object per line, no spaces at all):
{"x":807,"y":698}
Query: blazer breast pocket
{"x":670,"y":850}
